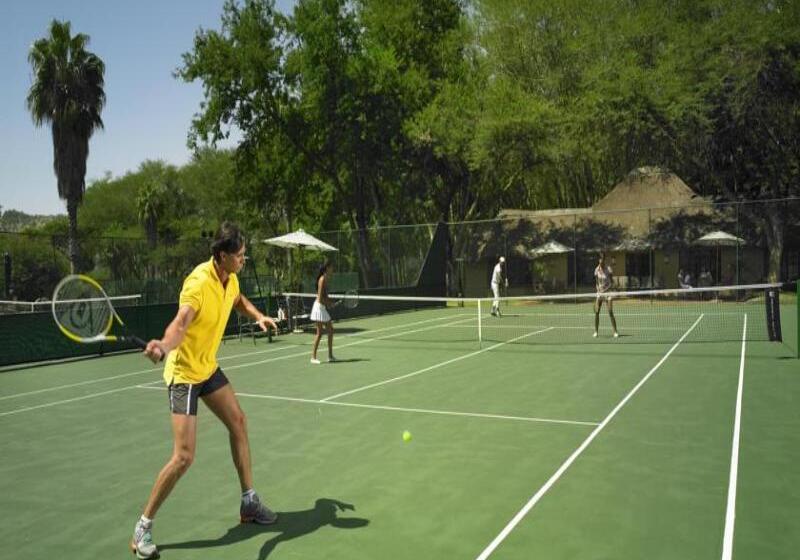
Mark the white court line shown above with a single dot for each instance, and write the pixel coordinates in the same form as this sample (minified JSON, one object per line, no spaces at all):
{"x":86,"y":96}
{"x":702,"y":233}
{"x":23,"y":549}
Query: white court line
{"x":435,"y":366}
{"x":730,"y":516}
{"x":403,"y":409}
{"x":305,"y":353}
{"x":150,"y":370}
{"x":361,"y":341}
{"x":368,"y":332}
{"x":489,"y":327}
{"x":122,"y":375}
{"x":89,"y":396}
{"x":622,"y":313}
{"x":59,"y":387}
{"x":575,"y":454}
{"x":455,"y":413}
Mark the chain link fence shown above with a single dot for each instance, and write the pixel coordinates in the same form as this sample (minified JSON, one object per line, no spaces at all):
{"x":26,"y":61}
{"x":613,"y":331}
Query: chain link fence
{"x":552,"y":251}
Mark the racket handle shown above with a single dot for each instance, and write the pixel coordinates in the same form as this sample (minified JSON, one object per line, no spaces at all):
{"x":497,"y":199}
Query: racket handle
{"x":138,"y":341}
{"x":141,"y":344}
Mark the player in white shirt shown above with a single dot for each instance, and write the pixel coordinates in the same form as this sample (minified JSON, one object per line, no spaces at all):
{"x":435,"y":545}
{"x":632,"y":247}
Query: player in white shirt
{"x":603,"y":279}
{"x":498,"y":279}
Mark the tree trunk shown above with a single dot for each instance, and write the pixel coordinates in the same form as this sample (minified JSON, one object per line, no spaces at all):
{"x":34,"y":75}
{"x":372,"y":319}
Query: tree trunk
{"x":362,"y":235}
{"x":152,"y":232}
{"x":775,"y":236}
{"x":359,"y":225}
{"x":289,"y":252}
{"x":72,"y":212}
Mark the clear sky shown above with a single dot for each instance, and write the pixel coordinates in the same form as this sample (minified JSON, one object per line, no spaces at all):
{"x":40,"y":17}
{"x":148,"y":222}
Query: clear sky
{"x":147,"y":112}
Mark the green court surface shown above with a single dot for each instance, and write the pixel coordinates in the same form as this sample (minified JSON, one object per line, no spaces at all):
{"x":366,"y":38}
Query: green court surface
{"x":556,"y":449}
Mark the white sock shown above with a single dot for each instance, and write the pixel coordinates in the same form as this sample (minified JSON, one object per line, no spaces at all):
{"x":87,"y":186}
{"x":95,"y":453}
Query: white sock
{"x":247,"y":496}
{"x":145,"y":521}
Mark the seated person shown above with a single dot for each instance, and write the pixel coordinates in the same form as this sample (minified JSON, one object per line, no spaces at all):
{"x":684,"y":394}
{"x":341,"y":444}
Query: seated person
{"x":730,"y":276}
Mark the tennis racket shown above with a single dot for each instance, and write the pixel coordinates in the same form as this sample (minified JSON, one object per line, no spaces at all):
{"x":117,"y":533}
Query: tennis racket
{"x":349,"y":301}
{"x":84,"y":313}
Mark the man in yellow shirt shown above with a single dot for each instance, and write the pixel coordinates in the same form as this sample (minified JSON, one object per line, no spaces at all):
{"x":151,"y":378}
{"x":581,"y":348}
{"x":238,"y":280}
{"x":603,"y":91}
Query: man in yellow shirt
{"x":191,"y":372}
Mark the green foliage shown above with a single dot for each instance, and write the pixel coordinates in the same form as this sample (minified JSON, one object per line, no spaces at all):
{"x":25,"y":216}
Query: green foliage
{"x":14,"y":220}
{"x":322,"y":99}
{"x":35,"y":265}
{"x":67,"y":93}
{"x":355,"y":113}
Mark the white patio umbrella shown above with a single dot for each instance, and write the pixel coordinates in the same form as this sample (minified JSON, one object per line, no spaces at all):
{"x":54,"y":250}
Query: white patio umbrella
{"x":300,"y":240}
{"x":721,"y":239}
{"x":553,"y":251}
{"x":551,"y":248}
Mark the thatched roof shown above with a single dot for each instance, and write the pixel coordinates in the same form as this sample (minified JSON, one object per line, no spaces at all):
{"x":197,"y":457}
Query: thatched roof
{"x":645,"y":196}
{"x":649,"y":187}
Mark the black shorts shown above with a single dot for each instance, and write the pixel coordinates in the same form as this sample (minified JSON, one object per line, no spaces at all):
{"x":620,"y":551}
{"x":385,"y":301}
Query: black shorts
{"x":183,"y":396}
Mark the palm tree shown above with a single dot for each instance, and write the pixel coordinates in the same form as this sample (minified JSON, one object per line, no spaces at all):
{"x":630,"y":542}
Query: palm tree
{"x":150,"y":202}
{"x":150,"y":206}
{"x":67,"y":93}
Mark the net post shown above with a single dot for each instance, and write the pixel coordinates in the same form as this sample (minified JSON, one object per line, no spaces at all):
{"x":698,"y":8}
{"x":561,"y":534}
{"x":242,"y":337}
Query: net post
{"x":480,"y":333}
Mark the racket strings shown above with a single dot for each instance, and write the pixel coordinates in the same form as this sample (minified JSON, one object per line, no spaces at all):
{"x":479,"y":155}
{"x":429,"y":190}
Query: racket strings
{"x":82,"y":309}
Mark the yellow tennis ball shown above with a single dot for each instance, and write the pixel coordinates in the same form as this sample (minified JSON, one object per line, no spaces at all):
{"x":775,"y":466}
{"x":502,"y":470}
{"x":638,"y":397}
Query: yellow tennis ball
{"x":406,"y":436}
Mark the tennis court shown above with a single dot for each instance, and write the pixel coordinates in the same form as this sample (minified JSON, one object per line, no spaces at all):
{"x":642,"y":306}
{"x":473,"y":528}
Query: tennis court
{"x":539,"y":442}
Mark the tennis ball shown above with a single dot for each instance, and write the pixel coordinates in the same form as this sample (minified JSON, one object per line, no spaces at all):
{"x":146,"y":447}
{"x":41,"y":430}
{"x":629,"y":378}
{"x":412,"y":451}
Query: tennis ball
{"x":406,"y":436}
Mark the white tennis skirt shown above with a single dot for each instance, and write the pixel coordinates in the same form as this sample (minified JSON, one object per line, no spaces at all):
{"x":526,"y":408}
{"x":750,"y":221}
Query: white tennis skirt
{"x":319,"y":314}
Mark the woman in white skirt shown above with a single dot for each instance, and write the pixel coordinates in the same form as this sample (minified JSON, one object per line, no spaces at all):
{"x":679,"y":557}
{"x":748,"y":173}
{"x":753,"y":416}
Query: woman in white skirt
{"x":319,"y":312}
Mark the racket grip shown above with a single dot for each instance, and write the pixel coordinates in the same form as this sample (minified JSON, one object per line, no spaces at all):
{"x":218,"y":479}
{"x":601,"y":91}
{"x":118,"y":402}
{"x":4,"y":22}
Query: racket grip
{"x":138,"y":342}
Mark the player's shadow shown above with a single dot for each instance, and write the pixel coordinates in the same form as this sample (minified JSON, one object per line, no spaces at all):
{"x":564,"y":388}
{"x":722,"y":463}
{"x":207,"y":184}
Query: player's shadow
{"x":349,"y":360}
{"x":348,"y":330}
{"x":290,"y":525}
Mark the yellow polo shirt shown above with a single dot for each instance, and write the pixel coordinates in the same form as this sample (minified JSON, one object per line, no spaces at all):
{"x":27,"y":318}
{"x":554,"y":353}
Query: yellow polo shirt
{"x":196,"y":358}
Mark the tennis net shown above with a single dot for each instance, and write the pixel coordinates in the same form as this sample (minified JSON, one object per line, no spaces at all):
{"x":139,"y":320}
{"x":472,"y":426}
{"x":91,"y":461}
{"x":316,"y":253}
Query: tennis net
{"x":647,"y":316}
{"x":11,"y":307}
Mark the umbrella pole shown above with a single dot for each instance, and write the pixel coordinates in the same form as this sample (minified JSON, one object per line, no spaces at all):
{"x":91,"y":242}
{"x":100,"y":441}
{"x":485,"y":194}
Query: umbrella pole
{"x":299,"y":285}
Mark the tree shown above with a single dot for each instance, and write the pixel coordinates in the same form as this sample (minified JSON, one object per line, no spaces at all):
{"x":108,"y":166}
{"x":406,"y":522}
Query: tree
{"x":728,"y":104}
{"x":329,"y":89}
{"x":67,"y":93}
{"x":150,"y":204}
{"x":708,"y":89}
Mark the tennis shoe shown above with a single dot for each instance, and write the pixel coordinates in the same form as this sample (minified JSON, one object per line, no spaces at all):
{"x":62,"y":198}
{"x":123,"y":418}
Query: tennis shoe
{"x":595,"y":334}
{"x":142,"y":544}
{"x":332,"y":359}
{"x":616,"y":335}
{"x":253,"y":511}
{"x":315,"y":361}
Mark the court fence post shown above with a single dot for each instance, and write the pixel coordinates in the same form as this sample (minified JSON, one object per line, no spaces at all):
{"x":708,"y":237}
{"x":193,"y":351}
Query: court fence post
{"x":480,"y":334}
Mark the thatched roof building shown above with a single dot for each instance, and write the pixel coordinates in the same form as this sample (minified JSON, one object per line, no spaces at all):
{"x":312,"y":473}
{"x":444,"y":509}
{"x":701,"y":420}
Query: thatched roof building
{"x":645,"y":196}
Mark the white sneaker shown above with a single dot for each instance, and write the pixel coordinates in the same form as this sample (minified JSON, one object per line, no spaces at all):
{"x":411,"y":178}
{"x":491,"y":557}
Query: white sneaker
{"x":595,"y":334}
{"x":142,"y":542}
{"x":616,"y":335}
{"x":315,"y":361}
{"x":253,"y":511}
